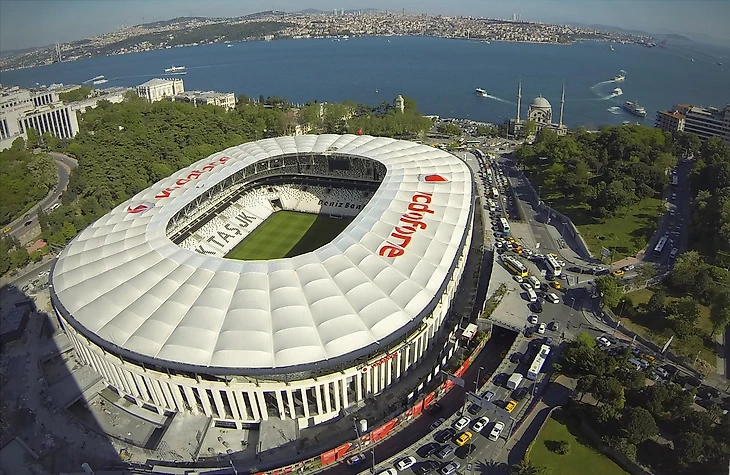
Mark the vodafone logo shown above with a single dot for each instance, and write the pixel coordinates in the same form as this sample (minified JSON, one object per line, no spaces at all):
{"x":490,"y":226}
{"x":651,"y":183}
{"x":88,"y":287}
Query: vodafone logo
{"x":434,"y":178}
{"x":138,"y":208}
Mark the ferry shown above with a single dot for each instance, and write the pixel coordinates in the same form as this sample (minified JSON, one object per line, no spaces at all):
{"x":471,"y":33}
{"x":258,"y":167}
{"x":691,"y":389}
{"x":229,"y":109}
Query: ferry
{"x":619,"y":78}
{"x":175,"y":69}
{"x":481,"y":92}
{"x":100,"y":81}
{"x":634,"y":108}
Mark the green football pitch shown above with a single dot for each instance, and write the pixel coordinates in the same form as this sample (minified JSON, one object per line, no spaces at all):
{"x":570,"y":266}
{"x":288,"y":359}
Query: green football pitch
{"x":288,"y":234}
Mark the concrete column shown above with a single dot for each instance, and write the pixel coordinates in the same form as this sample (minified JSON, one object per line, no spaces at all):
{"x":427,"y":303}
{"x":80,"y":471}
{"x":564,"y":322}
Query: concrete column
{"x":218,"y":400}
{"x":383,"y":373}
{"x":206,"y":402}
{"x":369,"y":382}
{"x":290,"y":401}
{"x":132,"y":384}
{"x":305,"y":402}
{"x":157,"y":390}
{"x":398,"y":364}
{"x":336,"y":393}
{"x":344,"y":388}
{"x":358,"y":386}
{"x":327,"y":399}
{"x":318,"y":395}
{"x":175,"y":392}
{"x":388,"y":372}
{"x":280,"y":404}
{"x":191,"y":399}
{"x":241,"y":405}
{"x":261,"y":402}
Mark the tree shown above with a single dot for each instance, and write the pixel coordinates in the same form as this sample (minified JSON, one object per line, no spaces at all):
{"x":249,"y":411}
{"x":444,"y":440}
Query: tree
{"x":684,"y":314}
{"x":608,"y":390}
{"x":449,"y":129}
{"x":585,"y":385}
{"x":656,"y":303}
{"x":609,"y":290}
{"x":638,"y":425}
{"x":720,"y":312}
{"x":688,"y":448}
{"x":526,"y":467}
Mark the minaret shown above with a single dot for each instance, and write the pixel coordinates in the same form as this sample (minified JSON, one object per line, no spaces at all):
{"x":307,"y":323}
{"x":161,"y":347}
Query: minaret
{"x":519,"y":99}
{"x":562,"y":105}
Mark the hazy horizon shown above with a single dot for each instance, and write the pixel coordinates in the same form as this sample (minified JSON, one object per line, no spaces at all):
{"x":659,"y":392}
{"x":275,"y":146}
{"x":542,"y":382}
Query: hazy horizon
{"x":70,"y":20}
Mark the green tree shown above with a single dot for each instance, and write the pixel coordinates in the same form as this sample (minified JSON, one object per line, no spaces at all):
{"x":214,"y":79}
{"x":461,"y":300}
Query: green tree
{"x":720,"y":312}
{"x":526,"y":467}
{"x":449,"y":129}
{"x":688,"y":448}
{"x":608,"y":390}
{"x":656,"y":303}
{"x":609,"y":289}
{"x":684,"y":314}
{"x":638,"y":425}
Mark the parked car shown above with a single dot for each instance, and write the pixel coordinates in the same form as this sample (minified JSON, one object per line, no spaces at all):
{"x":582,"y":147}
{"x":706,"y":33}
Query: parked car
{"x":541,"y":328}
{"x":552,"y":298}
{"x":464,"y":438}
{"x":474,"y":409}
{"x":496,"y":430}
{"x":426,"y":467}
{"x":444,"y":435}
{"x":445,"y":451}
{"x":532,"y":319}
{"x":510,"y":406}
{"x":488,"y":396}
{"x":390,"y":471}
{"x":450,"y":468}
{"x":355,"y":459}
{"x":405,"y":463}
{"x":480,"y":424}
{"x":437,"y":423}
{"x":428,"y":450}
{"x":461,"y":423}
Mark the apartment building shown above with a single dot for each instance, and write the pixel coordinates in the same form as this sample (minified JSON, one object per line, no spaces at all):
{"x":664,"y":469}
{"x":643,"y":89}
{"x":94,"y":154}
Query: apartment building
{"x":670,"y":121}
{"x":706,"y":122}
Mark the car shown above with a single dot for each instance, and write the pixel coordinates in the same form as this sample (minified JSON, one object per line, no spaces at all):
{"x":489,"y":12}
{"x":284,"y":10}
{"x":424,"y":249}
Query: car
{"x":515,"y":357}
{"x":532,"y":319}
{"x":541,"y":328}
{"x":517,"y":278}
{"x":474,"y":409}
{"x":554,"y":326}
{"x":673,"y":253}
{"x":444,"y":435}
{"x":552,"y":298}
{"x":445,"y":452}
{"x":618,"y":273}
{"x":450,"y":468}
{"x":536,"y":307}
{"x":496,"y":430}
{"x":510,"y":406}
{"x":629,"y":268}
{"x":575,"y":269}
{"x":390,"y":471}
{"x":28,"y":223}
{"x":480,"y":424}
{"x":548,"y":341}
{"x":488,"y":396}
{"x":405,"y":463}
{"x":437,"y":423}
{"x":461,"y":423}
{"x":556,"y":284}
{"x":7,"y":230}
{"x":355,"y":459}
{"x":426,"y":467}
{"x":603,"y":341}
{"x":428,"y":450}
{"x":526,"y":286}
{"x":707,"y":392}
{"x":662,"y":373}
{"x":464,"y":438}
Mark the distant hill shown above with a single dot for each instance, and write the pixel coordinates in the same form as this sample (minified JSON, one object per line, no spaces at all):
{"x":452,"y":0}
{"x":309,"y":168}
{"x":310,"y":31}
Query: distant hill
{"x":13,"y":52}
{"x":174,"y":21}
{"x":314,"y":11}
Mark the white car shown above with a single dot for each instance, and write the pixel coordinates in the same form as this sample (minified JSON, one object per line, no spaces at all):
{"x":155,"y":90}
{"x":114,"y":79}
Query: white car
{"x":552,"y":298}
{"x":518,"y":279}
{"x":603,"y":341}
{"x":532,"y":319}
{"x":526,"y":286}
{"x":462,"y":423}
{"x":541,"y":328}
{"x":496,"y":430}
{"x":405,"y":463}
{"x":480,"y":424}
{"x":390,"y":471}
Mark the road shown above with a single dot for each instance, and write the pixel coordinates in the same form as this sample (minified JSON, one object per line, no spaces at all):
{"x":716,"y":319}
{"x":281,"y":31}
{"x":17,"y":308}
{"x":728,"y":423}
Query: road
{"x":64,"y":164}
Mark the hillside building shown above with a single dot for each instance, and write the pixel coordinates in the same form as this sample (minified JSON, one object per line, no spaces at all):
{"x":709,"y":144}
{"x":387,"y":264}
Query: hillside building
{"x":158,"y":89}
{"x":706,"y":122}
{"x":670,"y":121}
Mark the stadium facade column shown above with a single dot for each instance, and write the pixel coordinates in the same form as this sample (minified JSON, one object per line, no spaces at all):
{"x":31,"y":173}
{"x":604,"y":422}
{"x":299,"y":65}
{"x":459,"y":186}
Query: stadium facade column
{"x":325,"y":388}
{"x":318,"y":397}
{"x":218,"y":400}
{"x":261,"y":405}
{"x":280,"y":404}
{"x":191,"y":399}
{"x":389,"y":372}
{"x":381,"y":380}
{"x":369,"y":383}
{"x":290,"y":400}
{"x":399,"y":364}
{"x":168,"y":393}
{"x":305,"y":402}
{"x":336,"y":394}
{"x":207,"y":410}
{"x":343,"y":388}
{"x":238,"y":395}
{"x":358,"y":386}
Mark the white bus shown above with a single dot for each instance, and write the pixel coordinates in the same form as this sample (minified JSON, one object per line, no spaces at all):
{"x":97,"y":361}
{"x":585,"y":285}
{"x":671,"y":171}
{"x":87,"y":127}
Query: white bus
{"x":552,"y":266}
{"x":538,"y":363}
{"x":659,"y":248}
{"x":504,"y":225}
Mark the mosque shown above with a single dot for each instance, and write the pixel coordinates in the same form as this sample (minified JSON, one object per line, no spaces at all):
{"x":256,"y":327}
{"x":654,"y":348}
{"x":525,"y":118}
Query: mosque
{"x":540,"y":112}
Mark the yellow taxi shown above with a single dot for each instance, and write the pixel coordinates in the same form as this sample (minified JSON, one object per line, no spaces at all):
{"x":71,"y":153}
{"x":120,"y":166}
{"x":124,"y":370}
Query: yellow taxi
{"x":556,"y":285}
{"x":6,"y":230}
{"x":464,"y":438}
{"x":510,"y":406}
{"x":618,"y":273}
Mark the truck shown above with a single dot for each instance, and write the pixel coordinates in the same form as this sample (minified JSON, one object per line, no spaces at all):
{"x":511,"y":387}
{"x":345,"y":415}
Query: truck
{"x":469,"y":332}
{"x":514,"y":381}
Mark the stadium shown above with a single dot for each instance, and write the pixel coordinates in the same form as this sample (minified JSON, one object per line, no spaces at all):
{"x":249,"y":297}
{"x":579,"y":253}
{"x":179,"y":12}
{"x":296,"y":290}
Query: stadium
{"x":288,"y":278}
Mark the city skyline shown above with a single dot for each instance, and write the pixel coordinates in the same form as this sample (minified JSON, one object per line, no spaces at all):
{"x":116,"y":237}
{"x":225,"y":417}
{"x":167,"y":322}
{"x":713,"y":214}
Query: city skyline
{"x":65,"y":21}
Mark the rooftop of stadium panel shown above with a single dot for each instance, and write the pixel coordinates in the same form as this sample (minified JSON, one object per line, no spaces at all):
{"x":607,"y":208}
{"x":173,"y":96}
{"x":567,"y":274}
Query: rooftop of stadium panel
{"x":128,"y":288}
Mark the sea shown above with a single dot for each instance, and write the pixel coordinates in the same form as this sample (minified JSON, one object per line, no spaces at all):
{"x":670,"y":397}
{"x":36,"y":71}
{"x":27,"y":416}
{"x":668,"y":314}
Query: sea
{"x":440,"y":74}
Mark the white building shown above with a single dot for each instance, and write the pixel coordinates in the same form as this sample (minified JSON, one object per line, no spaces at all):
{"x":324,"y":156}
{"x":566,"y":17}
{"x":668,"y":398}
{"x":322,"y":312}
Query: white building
{"x":227,"y":100}
{"x":157,"y":89}
{"x":706,"y":122}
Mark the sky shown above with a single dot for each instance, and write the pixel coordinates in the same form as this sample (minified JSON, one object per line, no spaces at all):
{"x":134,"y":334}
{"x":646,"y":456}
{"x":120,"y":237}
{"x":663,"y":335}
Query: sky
{"x":29,"y":23}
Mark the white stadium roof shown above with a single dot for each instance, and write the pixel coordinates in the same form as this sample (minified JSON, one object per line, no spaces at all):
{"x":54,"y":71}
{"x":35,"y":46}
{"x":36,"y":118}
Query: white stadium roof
{"x":125,"y":285}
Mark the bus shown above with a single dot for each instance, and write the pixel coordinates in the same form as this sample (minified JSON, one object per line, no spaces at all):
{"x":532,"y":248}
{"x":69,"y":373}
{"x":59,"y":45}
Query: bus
{"x":553,"y":266}
{"x":504,"y":225}
{"x":515,"y":266}
{"x":538,"y":362}
{"x":495,"y":193}
{"x":659,"y":248}
{"x":674,"y":180}
{"x":473,"y":142}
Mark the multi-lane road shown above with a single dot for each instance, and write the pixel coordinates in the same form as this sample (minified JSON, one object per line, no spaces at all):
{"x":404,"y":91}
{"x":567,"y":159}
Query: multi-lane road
{"x":30,"y":218}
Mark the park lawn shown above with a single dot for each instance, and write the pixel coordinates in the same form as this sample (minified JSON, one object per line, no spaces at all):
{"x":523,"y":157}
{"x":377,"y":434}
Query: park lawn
{"x":657,"y":329}
{"x":288,"y":234}
{"x":581,"y":460}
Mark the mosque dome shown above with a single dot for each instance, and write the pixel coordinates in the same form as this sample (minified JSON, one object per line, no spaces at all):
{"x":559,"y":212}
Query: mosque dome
{"x":540,"y":102}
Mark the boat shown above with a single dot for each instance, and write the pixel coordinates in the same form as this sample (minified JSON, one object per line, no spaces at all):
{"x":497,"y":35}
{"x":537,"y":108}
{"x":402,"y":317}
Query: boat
{"x":229,"y":46}
{"x":100,"y":81}
{"x":175,"y":69}
{"x":692,"y":59}
{"x":634,"y":108}
{"x":626,"y":122}
{"x":612,"y":48}
{"x":619,"y":78}
{"x":618,"y":91}
{"x":481,"y":92}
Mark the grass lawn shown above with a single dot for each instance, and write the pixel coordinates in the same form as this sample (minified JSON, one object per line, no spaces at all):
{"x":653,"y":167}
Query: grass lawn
{"x":581,"y":460}
{"x":656,"y":328}
{"x":287,"y":234}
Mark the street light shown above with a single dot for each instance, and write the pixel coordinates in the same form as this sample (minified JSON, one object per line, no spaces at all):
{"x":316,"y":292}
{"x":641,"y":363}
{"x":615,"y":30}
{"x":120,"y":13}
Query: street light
{"x":478,"y":381}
